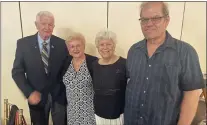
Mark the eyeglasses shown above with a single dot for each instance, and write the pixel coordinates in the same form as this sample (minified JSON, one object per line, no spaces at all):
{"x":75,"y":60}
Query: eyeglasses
{"x":74,"y":47}
{"x":155,"y":20}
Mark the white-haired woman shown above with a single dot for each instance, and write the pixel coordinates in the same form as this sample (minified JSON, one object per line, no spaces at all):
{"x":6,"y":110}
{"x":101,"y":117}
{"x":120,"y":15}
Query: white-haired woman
{"x":78,"y":82}
{"x":109,"y":81}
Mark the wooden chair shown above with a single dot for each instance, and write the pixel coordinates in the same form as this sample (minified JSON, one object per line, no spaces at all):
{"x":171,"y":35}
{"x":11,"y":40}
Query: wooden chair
{"x":203,"y":94}
{"x":19,"y":118}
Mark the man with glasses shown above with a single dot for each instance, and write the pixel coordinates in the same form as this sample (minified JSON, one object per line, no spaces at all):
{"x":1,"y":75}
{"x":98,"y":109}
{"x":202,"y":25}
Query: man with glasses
{"x":165,"y":78}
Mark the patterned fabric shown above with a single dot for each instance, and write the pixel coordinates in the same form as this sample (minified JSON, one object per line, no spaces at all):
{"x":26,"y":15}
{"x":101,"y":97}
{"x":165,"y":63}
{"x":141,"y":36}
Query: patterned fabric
{"x":79,"y":91}
{"x":103,"y":121}
{"x":45,"y":56}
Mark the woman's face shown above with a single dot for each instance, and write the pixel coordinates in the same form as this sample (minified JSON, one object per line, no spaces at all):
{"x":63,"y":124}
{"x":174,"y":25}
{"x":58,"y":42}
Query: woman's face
{"x":76,"y":48}
{"x":106,"y":48}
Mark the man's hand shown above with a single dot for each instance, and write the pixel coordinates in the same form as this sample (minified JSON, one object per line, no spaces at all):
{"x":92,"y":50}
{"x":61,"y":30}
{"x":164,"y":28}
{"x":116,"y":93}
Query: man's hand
{"x":34,"y":98}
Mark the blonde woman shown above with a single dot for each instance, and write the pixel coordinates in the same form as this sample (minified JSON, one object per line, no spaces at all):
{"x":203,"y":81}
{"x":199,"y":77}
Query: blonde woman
{"x":78,"y":82}
{"x":109,"y":80}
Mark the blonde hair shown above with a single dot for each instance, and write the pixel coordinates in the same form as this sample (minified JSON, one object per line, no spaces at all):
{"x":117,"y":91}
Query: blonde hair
{"x":165,"y":9}
{"x":76,"y":36}
{"x":105,"y":35}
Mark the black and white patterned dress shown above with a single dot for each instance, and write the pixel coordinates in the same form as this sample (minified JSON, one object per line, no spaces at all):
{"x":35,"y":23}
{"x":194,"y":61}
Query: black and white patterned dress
{"x":79,"y":92}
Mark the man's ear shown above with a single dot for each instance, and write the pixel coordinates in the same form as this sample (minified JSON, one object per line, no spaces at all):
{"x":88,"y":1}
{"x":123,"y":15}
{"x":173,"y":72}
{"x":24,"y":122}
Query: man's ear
{"x":36,"y":24}
{"x":168,"y":20}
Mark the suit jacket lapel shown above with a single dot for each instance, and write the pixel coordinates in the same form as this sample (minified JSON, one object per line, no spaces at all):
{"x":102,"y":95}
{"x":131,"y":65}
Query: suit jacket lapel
{"x":52,"y":51}
{"x":36,"y":52}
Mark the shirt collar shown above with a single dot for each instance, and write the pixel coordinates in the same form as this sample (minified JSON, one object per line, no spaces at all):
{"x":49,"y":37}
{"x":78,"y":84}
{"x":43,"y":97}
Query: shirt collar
{"x":169,"y":42}
{"x":40,"y":40}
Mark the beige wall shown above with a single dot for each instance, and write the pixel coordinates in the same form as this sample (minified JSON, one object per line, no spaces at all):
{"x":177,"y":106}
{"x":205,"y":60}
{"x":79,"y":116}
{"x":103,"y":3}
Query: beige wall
{"x":123,"y":20}
{"x":85,"y":17}
{"x":10,"y":32}
{"x":88,"y":18}
{"x":194,"y":29}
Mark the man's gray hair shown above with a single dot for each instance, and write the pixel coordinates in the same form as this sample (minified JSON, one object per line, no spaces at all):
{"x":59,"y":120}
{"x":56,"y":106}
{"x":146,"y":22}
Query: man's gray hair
{"x":43,"y":13}
{"x":105,"y":35}
{"x":165,"y":9}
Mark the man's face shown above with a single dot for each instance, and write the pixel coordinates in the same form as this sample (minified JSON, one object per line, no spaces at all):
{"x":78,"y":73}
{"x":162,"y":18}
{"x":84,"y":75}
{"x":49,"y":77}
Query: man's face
{"x":153,"y":21}
{"x":45,"y":26}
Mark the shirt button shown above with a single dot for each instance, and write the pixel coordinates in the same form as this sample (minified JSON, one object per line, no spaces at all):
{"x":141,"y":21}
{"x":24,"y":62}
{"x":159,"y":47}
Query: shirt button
{"x":141,"y":117}
{"x":150,"y":65}
{"x":144,"y":91}
{"x":142,"y":105}
{"x":147,"y":78}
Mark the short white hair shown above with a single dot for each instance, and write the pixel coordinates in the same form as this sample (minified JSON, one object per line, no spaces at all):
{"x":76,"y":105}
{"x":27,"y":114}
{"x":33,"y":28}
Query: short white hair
{"x":105,"y":35}
{"x":76,"y":36}
{"x":43,"y":13}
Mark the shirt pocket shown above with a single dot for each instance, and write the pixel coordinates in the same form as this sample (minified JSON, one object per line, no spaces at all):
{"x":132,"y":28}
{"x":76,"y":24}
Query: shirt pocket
{"x":170,"y":79}
{"x":172,"y":73}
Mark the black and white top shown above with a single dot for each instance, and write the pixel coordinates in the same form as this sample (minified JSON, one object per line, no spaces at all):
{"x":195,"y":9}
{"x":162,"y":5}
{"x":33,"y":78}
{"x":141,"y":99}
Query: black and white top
{"x":79,"y":92}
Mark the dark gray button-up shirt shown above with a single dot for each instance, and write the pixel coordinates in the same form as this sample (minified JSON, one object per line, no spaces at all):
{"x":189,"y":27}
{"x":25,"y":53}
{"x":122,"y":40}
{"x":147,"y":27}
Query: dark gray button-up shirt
{"x":155,"y":89}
